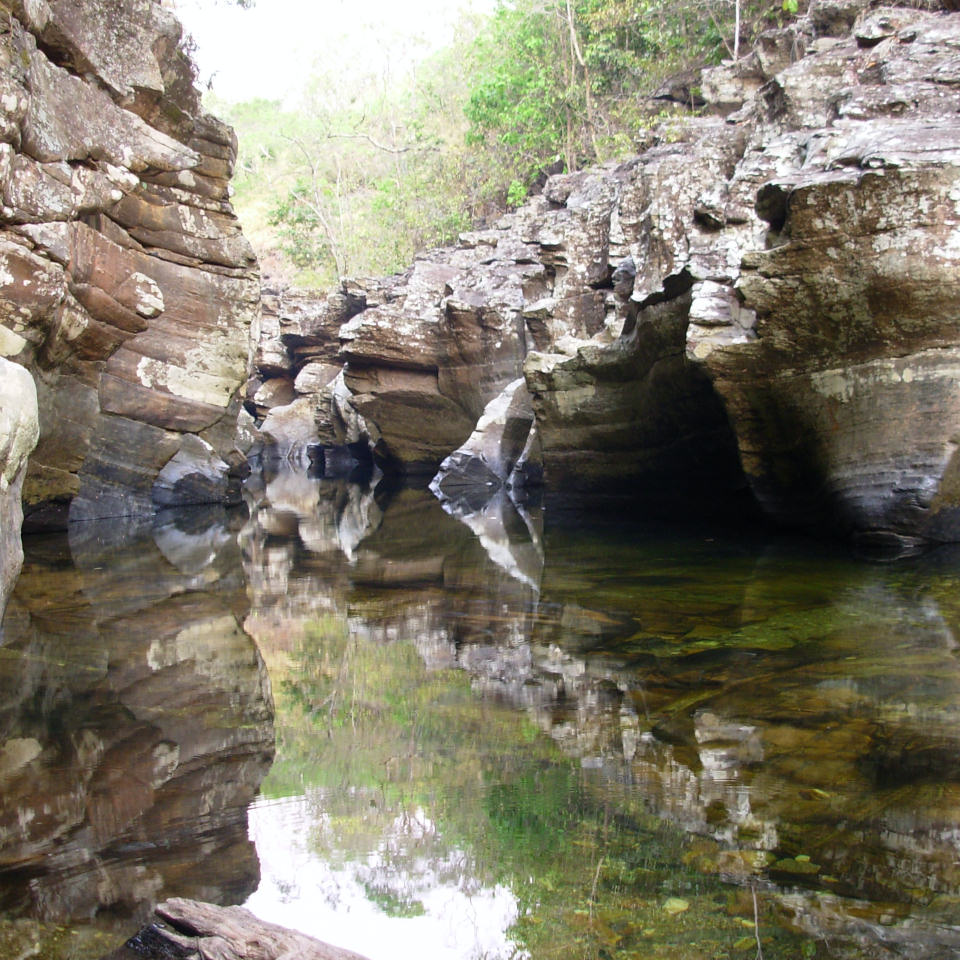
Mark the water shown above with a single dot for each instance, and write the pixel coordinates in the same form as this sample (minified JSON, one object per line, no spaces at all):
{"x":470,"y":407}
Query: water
{"x":493,"y":739}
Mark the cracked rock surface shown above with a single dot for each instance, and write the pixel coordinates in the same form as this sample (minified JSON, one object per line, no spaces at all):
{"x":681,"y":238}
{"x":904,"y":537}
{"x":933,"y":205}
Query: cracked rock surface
{"x":767,"y":298}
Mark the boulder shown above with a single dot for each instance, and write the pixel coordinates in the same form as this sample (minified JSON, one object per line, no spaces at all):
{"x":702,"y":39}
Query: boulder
{"x":834,"y":362}
{"x":19,"y":429}
{"x":487,"y":461}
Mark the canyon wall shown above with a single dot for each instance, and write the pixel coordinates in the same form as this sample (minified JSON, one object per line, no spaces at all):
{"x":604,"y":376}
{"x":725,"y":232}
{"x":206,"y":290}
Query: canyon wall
{"x":126,"y":287}
{"x":765,"y":298}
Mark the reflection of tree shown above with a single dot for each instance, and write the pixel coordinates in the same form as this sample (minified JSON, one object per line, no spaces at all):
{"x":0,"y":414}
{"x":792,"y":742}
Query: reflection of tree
{"x":717,"y":710}
{"x":415,"y":781}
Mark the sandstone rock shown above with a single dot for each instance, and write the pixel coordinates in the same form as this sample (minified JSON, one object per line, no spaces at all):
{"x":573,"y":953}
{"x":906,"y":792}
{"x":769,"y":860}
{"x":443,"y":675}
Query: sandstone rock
{"x":764,"y":298}
{"x":291,"y":432}
{"x":193,"y":475}
{"x":125,"y":284}
{"x":276,"y":392}
{"x":839,"y":391}
{"x":19,"y":430}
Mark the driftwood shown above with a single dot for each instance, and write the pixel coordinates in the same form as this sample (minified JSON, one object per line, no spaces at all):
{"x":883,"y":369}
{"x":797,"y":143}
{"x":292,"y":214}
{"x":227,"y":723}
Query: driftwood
{"x":201,"y":931}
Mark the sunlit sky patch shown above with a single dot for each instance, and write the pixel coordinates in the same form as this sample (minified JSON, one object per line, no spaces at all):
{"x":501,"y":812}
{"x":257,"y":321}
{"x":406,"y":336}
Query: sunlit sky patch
{"x":270,"y":50}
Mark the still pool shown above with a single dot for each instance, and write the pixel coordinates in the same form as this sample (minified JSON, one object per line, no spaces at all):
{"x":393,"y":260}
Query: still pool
{"x":417,"y":735}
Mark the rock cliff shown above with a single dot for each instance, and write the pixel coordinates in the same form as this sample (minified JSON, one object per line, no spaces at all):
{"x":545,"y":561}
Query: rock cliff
{"x":126,"y":287}
{"x":766,"y":298}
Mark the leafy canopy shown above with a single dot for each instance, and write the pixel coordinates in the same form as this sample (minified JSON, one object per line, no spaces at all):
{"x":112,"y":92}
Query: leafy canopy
{"x":374,"y":165}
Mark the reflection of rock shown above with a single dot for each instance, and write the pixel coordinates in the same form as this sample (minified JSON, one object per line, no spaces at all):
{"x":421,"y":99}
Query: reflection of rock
{"x":816,"y":742}
{"x":136,"y":720}
{"x":507,"y":532}
{"x":793,"y":709}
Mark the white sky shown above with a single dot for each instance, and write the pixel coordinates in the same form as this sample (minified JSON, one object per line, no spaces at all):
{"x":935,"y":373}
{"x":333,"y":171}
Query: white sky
{"x":269,"y":50}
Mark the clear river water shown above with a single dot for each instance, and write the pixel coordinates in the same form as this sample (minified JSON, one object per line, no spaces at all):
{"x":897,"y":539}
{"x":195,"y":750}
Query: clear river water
{"x":492,"y":737}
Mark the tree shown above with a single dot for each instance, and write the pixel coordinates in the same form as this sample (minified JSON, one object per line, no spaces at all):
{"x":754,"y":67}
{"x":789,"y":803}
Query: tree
{"x":568,"y":80}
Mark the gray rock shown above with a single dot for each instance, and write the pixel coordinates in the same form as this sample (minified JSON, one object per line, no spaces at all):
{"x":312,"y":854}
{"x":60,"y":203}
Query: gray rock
{"x":763,"y":299}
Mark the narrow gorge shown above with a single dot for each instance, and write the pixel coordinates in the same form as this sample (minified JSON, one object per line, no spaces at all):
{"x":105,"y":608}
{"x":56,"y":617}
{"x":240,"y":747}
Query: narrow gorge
{"x":578,"y":504}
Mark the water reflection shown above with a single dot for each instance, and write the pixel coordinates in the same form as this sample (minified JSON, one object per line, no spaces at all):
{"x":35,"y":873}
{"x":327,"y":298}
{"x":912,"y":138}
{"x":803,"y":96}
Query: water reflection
{"x":136,"y":726}
{"x":643,"y":737}
{"x":495,"y":737}
{"x":409,"y":896}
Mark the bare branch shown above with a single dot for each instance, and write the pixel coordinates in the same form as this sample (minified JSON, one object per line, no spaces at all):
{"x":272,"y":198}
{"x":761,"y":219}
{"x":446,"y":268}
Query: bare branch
{"x":366,"y":136}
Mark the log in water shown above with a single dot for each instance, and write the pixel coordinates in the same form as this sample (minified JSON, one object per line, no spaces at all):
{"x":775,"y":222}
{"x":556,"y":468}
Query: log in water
{"x":204,"y":931}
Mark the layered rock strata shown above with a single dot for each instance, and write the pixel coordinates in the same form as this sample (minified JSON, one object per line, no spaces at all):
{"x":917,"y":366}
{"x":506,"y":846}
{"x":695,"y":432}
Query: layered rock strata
{"x":298,"y":392}
{"x":126,"y":287}
{"x":765,"y":298}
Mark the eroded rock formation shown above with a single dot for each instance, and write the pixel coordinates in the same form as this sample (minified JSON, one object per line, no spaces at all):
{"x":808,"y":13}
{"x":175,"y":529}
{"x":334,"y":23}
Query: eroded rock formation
{"x":765,"y":298}
{"x":126,"y":287}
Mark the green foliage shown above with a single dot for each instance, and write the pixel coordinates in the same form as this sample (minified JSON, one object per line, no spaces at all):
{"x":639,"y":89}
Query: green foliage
{"x":371,"y":166}
{"x":571,"y":80}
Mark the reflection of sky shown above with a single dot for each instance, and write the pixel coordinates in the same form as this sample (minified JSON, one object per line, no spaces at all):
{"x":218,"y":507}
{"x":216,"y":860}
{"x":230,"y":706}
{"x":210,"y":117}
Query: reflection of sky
{"x":298,"y":889}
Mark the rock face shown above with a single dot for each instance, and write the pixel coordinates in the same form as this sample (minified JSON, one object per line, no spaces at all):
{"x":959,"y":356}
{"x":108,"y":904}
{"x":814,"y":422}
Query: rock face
{"x":18,"y":436}
{"x":765,"y":299}
{"x":126,"y":287}
{"x":298,"y":391}
{"x":843,"y":398}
